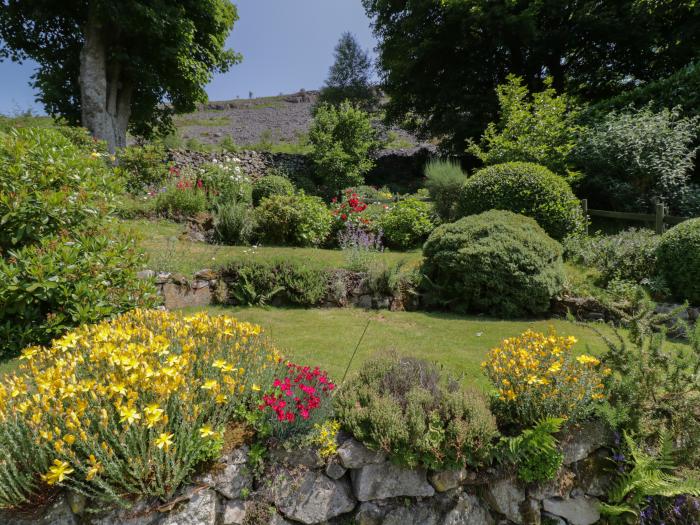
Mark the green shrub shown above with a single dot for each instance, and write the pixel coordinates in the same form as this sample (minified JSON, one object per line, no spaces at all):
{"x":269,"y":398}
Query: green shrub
{"x":143,"y":166}
{"x":48,"y":184}
{"x":496,"y":262}
{"x":343,"y":139}
{"x":234,"y":223}
{"x":539,"y":128}
{"x":257,"y":283}
{"x":631,"y":158}
{"x":271,"y":185}
{"x":679,"y":260}
{"x":404,"y":407}
{"x":627,"y":256}
{"x":295,"y":220}
{"x":224,"y":183}
{"x":534,"y":451}
{"x":180,"y":200}
{"x":63,"y":282}
{"x":407,"y":223}
{"x":528,"y":189}
{"x":444,"y":179}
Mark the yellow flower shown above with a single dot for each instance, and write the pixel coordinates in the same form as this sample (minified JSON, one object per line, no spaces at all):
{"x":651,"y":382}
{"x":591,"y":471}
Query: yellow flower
{"x":210,"y":384}
{"x":255,"y":388}
{"x":206,"y":431}
{"x":588,"y":360}
{"x":57,"y":473}
{"x":95,"y":468}
{"x":164,"y":441}
{"x":128,"y":415}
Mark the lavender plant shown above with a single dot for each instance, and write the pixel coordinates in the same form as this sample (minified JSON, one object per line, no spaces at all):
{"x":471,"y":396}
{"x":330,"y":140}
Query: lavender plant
{"x":359,"y":247}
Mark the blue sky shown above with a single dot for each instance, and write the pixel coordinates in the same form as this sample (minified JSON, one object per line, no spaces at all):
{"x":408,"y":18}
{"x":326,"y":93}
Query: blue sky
{"x":286,"y":45}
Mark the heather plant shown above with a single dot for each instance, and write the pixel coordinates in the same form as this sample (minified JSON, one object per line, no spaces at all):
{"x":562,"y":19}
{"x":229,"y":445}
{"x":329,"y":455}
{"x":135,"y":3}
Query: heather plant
{"x":360,"y":248}
{"x":444,"y":179}
{"x":536,"y":376}
{"x":154,"y":402}
{"x":408,"y":409}
{"x":407,"y":223}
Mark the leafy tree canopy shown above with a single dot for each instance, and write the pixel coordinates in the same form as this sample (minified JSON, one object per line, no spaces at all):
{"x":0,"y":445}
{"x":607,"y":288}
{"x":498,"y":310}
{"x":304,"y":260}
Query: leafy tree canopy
{"x":107,"y":64}
{"x":441,"y":60}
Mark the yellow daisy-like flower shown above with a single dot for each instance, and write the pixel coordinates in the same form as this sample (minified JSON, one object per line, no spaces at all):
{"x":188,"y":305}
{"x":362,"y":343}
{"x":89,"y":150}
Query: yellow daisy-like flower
{"x":255,"y":388}
{"x":164,"y":441}
{"x":95,"y":468}
{"x":129,"y":415}
{"x":206,"y":431}
{"x":210,"y":384}
{"x":588,"y":360}
{"x":57,"y":473}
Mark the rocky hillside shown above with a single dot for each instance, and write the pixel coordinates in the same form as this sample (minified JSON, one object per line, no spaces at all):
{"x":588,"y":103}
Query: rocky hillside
{"x":281,"y":119}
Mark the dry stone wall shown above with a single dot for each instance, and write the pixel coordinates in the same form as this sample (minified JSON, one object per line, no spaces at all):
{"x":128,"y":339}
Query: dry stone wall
{"x":363,"y":487}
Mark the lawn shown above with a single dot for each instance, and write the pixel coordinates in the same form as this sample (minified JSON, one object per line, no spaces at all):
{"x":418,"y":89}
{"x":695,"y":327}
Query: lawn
{"x":327,"y":337}
{"x":168,"y":251}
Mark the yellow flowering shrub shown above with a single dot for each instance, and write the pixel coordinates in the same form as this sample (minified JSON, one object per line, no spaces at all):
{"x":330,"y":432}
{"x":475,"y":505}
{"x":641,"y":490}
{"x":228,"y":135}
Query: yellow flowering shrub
{"x":128,"y":406}
{"x":536,"y":376}
{"x":325,"y":437}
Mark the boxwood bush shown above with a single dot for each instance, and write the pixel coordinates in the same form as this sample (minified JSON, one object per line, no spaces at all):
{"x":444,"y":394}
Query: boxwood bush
{"x":679,"y":260}
{"x":525,"y":188}
{"x":295,"y":220}
{"x":407,"y":223}
{"x":496,"y":262}
{"x":271,"y":185}
{"x":405,"y":408}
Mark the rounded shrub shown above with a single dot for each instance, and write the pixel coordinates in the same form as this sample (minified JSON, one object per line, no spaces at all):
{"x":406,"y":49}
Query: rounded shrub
{"x":295,"y":220}
{"x":271,"y":185}
{"x":404,"y":407}
{"x":525,"y":188}
{"x":497,"y":262}
{"x":407,"y":224}
{"x":679,"y":260}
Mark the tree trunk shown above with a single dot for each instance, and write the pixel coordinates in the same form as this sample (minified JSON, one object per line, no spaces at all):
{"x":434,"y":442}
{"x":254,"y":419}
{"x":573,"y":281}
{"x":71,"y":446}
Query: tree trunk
{"x":105,"y":95}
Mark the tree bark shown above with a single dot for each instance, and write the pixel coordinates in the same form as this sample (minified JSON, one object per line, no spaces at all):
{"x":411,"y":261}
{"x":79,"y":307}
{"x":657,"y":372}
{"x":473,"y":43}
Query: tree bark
{"x":105,"y":93}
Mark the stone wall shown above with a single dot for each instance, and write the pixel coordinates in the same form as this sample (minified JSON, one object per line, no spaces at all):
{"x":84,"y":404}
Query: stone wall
{"x":363,"y":487}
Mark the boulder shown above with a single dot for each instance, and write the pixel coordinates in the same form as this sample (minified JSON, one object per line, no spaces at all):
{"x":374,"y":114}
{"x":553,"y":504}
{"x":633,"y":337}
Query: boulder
{"x":335,"y":470}
{"x":559,"y":487}
{"x":233,"y":512}
{"x":581,"y":440}
{"x":386,"y":480}
{"x":506,"y":497}
{"x":576,"y":511}
{"x":445,"y":480}
{"x":200,"y":509}
{"x":311,"y":497}
{"x":298,"y":457}
{"x":468,"y":511}
{"x":231,"y":476}
{"x":369,"y":513}
{"x":593,"y":473}
{"x":415,"y":515}
{"x":353,"y":454}
{"x":142,"y":513}
{"x":56,"y":513}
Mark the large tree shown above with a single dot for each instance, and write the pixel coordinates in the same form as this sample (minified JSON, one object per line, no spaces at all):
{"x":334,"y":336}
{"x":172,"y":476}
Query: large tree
{"x":441,"y":60}
{"x":349,"y":78}
{"x":113,"y":65}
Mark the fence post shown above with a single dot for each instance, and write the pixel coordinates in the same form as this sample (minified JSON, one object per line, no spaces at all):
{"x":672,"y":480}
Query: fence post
{"x":660,"y":211}
{"x":584,"y":206}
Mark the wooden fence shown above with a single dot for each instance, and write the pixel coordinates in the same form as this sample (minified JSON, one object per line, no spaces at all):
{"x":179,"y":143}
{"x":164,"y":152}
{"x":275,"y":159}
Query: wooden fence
{"x":660,"y":218}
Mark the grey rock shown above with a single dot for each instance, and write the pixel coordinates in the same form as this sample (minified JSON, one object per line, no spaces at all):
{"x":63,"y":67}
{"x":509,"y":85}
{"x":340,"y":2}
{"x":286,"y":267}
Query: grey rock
{"x":580,"y":441}
{"x":415,"y":515}
{"x":196,"y":285}
{"x":163,"y":277}
{"x":206,"y":274}
{"x":231,"y":476}
{"x":592,"y":473}
{"x":233,"y":512}
{"x":559,"y":487}
{"x":276,"y":519}
{"x":447,"y":479}
{"x":354,"y":454}
{"x":57,"y":513}
{"x":369,"y":513}
{"x":531,"y":512}
{"x":365,"y":301}
{"x":199,"y":510}
{"x":576,"y":511}
{"x":146,"y":274}
{"x":76,"y":501}
{"x":142,"y":513}
{"x":387,"y":480}
{"x":468,"y":511}
{"x":551,"y":519}
{"x":298,"y":457}
{"x":506,"y":497}
{"x":382,"y":303}
{"x":335,"y":470}
{"x":311,"y":497}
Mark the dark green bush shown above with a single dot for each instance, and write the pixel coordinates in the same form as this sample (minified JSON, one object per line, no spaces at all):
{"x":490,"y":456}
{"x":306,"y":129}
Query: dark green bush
{"x":497,"y":262}
{"x":444,"y":180}
{"x":679,"y":260}
{"x":271,"y":185}
{"x":525,"y":188}
{"x":407,"y":223}
{"x":48,"y":184}
{"x":257,"y":283}
{"x":405,"y":408}
{"x":63,"y":282}
{"x":295,"y":220}
{"x":143,"y":166}
{"x":627,"y":256}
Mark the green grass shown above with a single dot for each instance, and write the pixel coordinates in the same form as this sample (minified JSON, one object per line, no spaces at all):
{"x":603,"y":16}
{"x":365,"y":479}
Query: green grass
{"x":327,"y":337}
{"x":167,"y":251}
